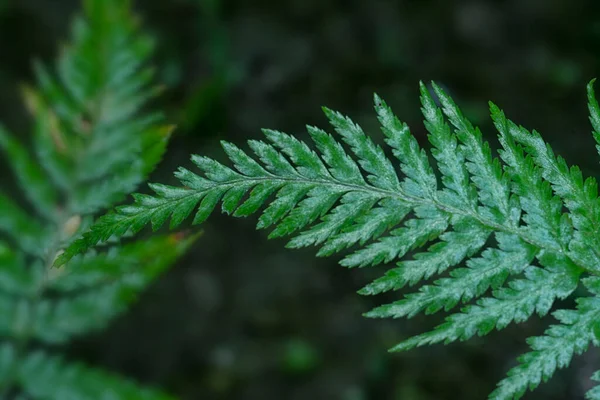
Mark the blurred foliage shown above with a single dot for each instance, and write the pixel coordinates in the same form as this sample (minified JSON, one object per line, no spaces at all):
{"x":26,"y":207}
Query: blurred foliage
{"x":216,"y":325}
{"x":90,"y":146}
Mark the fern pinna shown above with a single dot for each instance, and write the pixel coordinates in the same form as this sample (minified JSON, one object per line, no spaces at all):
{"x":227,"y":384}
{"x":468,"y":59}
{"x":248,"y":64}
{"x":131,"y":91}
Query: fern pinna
{"x":91,"y":146}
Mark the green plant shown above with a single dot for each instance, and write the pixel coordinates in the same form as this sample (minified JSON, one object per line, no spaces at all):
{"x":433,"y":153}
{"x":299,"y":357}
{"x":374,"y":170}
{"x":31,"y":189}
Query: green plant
{"x":92,"y":146}
{"x":520,"y":231}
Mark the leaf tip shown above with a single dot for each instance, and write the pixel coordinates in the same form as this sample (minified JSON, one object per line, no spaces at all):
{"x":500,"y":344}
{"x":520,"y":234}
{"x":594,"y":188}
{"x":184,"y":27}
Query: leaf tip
{"x":378,"y":101}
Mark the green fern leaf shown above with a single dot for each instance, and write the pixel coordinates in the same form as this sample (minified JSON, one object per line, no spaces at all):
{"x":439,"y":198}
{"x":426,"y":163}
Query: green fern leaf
{"x":512,"y":234}
{"x":91,"y":146}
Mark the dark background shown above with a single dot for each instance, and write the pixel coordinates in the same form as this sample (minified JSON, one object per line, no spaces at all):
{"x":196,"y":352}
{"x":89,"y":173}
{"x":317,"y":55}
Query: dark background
{"x":242,"y":318}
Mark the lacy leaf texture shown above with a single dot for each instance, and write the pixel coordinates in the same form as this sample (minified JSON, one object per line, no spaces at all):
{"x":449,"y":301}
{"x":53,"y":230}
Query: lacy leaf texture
{"x":90,"y":147}
{"x":493,"y":240}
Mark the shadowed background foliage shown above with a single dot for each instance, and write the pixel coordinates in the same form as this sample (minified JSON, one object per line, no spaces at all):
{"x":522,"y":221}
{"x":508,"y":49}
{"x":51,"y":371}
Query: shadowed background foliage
{"x":242,"y":318}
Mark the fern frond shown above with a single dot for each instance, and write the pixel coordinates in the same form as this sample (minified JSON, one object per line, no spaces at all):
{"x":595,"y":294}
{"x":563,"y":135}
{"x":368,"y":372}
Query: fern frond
{"x":496,"y":227}
{"x":92,"y":144}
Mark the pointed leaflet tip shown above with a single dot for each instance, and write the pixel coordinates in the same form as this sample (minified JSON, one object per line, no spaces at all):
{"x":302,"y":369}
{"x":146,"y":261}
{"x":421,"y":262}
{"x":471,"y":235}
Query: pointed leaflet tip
{"x":591,"y":93}
{"x":439,"y":92}
{"x":444,"y":99}
{"x":378,"y":101}
{"x":493,"y":107}
{"x":425,"y":93}
{"x":167,"y":130}
{"x":329,"y":113}
{"x":225,"y":145}
{"x":497,"y":114}
{"x":594,"y":109}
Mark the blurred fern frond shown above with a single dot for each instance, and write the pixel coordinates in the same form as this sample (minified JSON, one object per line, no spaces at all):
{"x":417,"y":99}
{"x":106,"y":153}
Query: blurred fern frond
{"x":500,"y":239}
{"x":92,"y":144}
